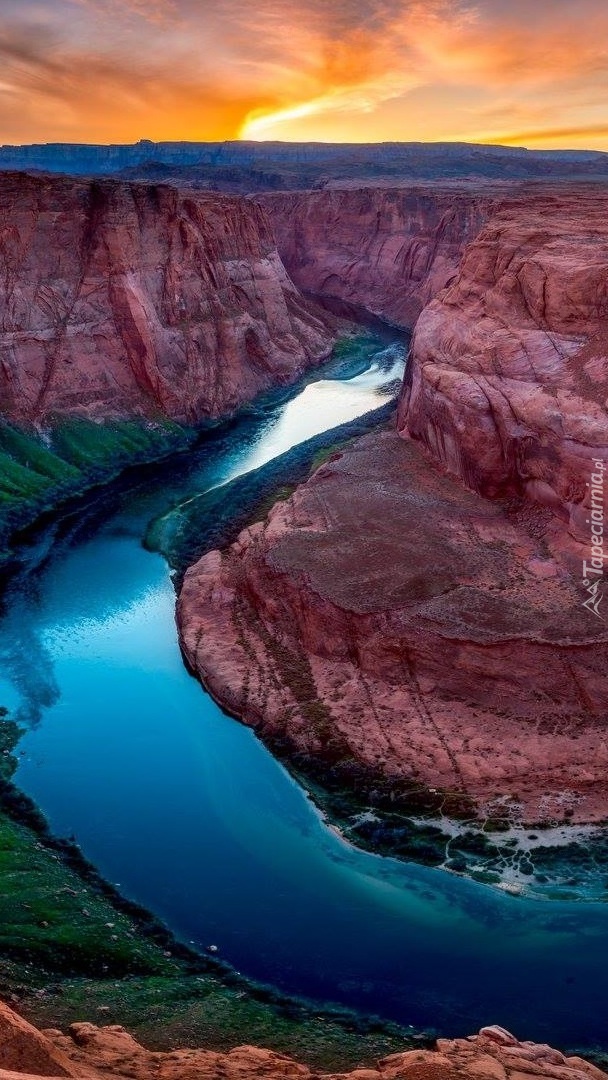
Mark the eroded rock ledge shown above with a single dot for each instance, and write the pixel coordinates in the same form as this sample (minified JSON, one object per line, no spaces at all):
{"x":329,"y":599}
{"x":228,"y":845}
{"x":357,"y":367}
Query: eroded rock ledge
{"x":122,"y":300}
{"x":92,"y":1052}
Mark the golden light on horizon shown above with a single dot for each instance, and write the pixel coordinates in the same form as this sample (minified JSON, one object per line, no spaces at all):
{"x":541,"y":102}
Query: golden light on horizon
{"x":349,"y":71}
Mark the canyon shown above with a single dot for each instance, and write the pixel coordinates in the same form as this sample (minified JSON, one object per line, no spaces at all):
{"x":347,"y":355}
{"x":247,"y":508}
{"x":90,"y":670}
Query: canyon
{"x":130,"y":301}
{"x":387,"y":625}
{"x":407,"y":627}
{"x":386,"y":250}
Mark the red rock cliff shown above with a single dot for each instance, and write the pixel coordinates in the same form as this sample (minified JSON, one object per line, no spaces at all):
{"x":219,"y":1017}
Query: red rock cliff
{"x":388,"y":620}
{"x":386,"y":623}
{"x":509,"y":374}
{"x":389,"y":250}
{"x":119,"y":299}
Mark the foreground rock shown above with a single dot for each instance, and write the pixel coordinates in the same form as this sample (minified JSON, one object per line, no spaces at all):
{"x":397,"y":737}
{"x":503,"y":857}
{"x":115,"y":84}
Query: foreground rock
{"x":90,"y":1051}
{"x":509,"y":375}
{"x":387,"y":630}
{"x":122,"y":300}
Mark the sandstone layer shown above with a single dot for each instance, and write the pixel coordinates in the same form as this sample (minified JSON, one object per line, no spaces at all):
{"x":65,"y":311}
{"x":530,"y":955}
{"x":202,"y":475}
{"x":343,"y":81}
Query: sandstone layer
{"x":388,"y":250}
{"x":91,"y":1052}
{"x":508,"y":386}
{"x":122,"y":300}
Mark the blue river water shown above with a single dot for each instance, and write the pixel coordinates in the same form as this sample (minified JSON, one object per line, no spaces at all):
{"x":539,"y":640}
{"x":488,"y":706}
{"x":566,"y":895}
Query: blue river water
{"x":192,"y":817}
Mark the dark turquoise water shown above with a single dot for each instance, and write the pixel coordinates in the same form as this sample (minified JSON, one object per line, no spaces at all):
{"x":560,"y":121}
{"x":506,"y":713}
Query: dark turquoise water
{"x":193,"y":818}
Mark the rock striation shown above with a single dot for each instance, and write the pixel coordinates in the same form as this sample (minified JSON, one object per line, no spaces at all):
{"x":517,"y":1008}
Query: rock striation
{"x":93,"y":1052}
{"x":388,"y":250}
{"x":121,"y":299}
{"x":508,"y":385}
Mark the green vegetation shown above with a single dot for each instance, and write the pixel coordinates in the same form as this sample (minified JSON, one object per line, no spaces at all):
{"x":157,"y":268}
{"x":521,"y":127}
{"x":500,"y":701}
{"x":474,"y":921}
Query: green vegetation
{"x":55,"y":913}
{"x":39,"y":471}
{"x":72,"y":949}
{"x":164,"y":1013}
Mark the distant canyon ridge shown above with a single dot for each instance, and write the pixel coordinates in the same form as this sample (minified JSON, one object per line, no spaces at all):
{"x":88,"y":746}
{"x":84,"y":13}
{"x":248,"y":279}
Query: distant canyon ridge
{"x":244,"y":167}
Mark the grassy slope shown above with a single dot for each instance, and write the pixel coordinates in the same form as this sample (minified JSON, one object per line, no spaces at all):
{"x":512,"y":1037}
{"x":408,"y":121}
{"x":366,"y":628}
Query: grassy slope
{"x":38,"y":472}
{"x":73,"y":949}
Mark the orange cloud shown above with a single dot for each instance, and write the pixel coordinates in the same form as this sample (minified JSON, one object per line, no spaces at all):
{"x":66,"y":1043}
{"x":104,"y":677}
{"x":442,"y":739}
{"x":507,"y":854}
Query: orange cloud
{"x":553,"y":136}
{"x":118,"y":70}
{"x":70,"y":96}
{"x":154,"y":11}
{"x":446,"y":43}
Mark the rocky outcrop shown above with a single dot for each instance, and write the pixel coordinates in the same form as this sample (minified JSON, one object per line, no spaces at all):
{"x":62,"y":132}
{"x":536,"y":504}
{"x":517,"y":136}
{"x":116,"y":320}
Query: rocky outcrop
{"x":23,"y":1049}
{"x":389,"y":631}
{"x":387,"y":250}
{"x":94,"y":1052}
{"x":121,"y":300}
{"x":508,"y":385}
{"x":494,"y":1054}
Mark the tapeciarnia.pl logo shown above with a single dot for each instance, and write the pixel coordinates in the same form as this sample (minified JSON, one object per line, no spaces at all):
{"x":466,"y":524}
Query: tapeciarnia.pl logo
{"x":593,"y":571}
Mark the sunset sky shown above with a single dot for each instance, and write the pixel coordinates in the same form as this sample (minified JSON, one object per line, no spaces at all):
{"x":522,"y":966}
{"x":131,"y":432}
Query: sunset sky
{"x":526,"y":72}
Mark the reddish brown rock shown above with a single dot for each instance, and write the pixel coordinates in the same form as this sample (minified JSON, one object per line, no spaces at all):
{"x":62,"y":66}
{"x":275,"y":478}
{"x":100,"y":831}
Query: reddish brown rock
{"x":386,"y":249}
{"x":121,"y":299}
{"x":386,"y":622}
{"x":24,"y":1050}
{"x":509,"y":377}
{"x":112,"y":1052}
{"x":93,"y":1052}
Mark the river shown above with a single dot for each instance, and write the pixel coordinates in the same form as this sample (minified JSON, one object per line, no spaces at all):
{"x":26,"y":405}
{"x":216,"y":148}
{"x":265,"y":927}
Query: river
{"x":190,"y":815}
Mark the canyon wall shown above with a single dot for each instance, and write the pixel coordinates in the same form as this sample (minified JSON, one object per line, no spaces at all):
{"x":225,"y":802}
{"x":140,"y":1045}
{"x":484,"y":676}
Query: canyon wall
{"x":508,"y":383}
{"x":386,"y":249}
{"x":121,"y":300}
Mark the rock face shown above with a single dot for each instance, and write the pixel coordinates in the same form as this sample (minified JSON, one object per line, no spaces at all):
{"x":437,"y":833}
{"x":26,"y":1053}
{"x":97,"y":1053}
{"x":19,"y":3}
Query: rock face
{"x":388,"y":628}
{"x":508,"y":384}
{"x":121,"y":299}
{"x":388,"y":250}
{"x":89,"y":1051}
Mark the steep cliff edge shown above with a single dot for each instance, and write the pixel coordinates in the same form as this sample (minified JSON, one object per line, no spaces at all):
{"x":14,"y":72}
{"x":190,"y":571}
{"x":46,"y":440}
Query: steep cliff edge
{"x":92,"y":1052}
{"x":386,"y":249}
{"x":395,"y":635}
{"x":508,"y":383}
{"x":121,"y":300}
